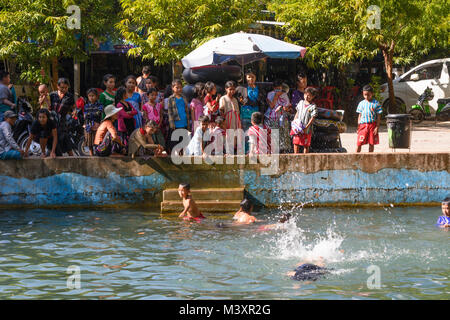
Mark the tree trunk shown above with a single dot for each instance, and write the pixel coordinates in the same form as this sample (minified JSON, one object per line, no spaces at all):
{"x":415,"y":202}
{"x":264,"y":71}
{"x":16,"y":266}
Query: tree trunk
{"x":76,"y":78}
{"x":388,"y":54}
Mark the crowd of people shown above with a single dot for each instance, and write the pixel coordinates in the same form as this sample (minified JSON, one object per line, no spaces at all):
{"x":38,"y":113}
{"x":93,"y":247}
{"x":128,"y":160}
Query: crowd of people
{"x":138,"y":118}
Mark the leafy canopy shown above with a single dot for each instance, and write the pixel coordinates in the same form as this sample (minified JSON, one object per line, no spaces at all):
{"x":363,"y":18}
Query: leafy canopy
{"x":167,"y":30}
{"x":33,"y":32}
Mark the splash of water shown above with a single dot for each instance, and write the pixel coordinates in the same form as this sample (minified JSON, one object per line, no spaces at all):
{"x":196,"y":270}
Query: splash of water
{"x":293,"y":242}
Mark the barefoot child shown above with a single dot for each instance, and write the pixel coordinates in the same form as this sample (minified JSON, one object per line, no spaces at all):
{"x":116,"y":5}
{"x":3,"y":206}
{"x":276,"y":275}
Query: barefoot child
{"x":191,"y":211}
{"x":93,"y":112}
{"x":368,"y":120}
{"x":303,"y":120}
{"x":444,"y":220}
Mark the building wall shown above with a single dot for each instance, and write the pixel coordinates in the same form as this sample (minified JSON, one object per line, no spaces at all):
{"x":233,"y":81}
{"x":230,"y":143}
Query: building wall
{"x":319,"y":179}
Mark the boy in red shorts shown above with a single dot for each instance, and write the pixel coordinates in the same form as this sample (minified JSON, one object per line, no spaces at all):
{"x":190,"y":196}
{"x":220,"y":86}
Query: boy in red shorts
{"x":368,"y":120}
{"x":301,"y":126}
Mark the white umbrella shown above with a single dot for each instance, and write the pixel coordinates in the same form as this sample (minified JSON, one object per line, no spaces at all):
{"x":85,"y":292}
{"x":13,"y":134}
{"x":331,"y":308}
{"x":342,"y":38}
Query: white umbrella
{"x":242,"y":47}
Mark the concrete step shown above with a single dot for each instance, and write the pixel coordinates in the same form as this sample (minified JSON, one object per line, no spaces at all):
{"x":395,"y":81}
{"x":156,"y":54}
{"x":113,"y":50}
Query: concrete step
{"x":203,"y":205}
{"x":207,"y":194}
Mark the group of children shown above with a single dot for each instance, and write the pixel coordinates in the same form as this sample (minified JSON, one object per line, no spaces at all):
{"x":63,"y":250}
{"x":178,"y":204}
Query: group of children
{"x":207,"y":116}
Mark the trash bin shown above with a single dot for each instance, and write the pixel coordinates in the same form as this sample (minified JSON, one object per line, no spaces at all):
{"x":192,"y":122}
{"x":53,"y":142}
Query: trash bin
{"x":399,"y":130}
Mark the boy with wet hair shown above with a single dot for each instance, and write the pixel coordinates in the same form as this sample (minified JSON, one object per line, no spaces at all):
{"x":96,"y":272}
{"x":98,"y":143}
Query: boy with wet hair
{"x":444,"y":220}
{"x":368,"y":120}
{"x":191,"y":211}
{"x":243,"y":216}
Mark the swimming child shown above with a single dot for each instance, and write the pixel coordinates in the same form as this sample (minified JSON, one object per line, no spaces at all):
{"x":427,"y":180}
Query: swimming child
{"x":284,"y":218}
{"x":191,"y":211}
{"x":444,"y":220}
{"x":243,"y":216}
{"x":309,"y":271}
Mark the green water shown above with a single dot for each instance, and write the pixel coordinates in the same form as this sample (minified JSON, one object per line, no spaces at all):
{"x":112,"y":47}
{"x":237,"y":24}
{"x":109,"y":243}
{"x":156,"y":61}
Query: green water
{"x":131,"y":254}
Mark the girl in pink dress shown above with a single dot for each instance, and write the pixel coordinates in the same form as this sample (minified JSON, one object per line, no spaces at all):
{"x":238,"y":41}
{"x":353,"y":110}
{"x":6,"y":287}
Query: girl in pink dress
{"x":152,"y":110}
{"x":229,"y":107}
{"x":196,"y":105}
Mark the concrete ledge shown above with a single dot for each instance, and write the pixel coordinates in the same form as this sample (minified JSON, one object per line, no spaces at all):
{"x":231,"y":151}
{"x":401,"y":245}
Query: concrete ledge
{"x":320,"y":179}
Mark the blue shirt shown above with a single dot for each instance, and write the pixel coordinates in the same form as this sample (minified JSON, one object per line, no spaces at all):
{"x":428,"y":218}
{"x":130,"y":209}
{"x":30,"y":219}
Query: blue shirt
{"x":135,"y":101}
{"x":369,"y":111}
{"x":443,"y":220}
{"x":182,"y":123}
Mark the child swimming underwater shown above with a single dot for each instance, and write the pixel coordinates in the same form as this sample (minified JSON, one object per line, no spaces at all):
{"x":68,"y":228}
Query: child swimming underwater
{"x":191,"y":211}
{"x":309,"y":271}
{"x":444,"y":220}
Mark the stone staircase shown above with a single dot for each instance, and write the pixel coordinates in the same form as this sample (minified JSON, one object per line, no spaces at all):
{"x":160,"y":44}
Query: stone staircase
{"x":208,"y":200}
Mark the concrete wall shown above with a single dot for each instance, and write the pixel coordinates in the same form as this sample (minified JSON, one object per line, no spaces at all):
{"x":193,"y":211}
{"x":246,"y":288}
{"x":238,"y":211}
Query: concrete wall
{"x":322,"y":179}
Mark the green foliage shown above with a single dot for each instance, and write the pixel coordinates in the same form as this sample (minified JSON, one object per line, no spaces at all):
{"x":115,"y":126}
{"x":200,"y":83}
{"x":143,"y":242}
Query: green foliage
{"x":336,"y":31}
{"x":33,"y":32}
{"x":375,"y":82}
{"x":167,"y":30}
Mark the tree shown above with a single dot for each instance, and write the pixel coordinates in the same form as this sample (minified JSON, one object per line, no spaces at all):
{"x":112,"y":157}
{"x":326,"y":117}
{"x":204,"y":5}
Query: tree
{"x":167,"y":30}
{"x":35,"y":33}
{"x":343,"y":31}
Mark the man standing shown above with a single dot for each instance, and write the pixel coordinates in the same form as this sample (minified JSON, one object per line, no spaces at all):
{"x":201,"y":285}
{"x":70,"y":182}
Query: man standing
{"x":6,"y":96}
{"x":8,"y":146}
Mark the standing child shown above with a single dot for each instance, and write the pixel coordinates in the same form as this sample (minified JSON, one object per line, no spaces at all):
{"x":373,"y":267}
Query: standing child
{"x":218,"y":136}
{"x":444,"y":220}
{"x":303,"y":120}
{"x":277,"y":99}
{"x":191,"y":211}
{"x":108,"y":95}
{"x":44,"y":97}
{"x":178,"y":112}
{"x":152,"y":109}
{"x":211,"y":100}
{"x":259,"y":136}
{"x":93,"y":112}
{"x":196,"y":105}
{"x":368,"y":120}
{"x":229,"y":107}
{"x":126,"y":122}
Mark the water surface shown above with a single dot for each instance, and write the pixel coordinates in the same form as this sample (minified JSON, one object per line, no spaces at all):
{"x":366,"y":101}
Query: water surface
{"x":132,"y":254}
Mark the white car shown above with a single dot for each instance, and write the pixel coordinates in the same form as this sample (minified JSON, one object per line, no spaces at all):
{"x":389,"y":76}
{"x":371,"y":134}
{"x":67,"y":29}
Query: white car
{"x":410,"y":85}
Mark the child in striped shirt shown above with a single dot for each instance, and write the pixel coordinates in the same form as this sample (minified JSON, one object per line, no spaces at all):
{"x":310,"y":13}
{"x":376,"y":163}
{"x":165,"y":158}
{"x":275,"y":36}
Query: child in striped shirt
{"x":368,"y":120}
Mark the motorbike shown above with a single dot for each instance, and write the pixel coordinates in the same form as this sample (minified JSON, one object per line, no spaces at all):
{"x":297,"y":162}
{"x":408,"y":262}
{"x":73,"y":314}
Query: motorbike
{"x":421,"y":110}
{"x":22,"y":127}
{"x":443,"y":111}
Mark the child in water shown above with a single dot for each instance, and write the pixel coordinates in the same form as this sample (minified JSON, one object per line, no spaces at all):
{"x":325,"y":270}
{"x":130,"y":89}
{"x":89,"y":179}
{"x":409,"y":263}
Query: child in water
{"x":191,"y":211}
{"x":284,"y":218}
{"x":243,"y":216}
{"x":444,"y":220}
